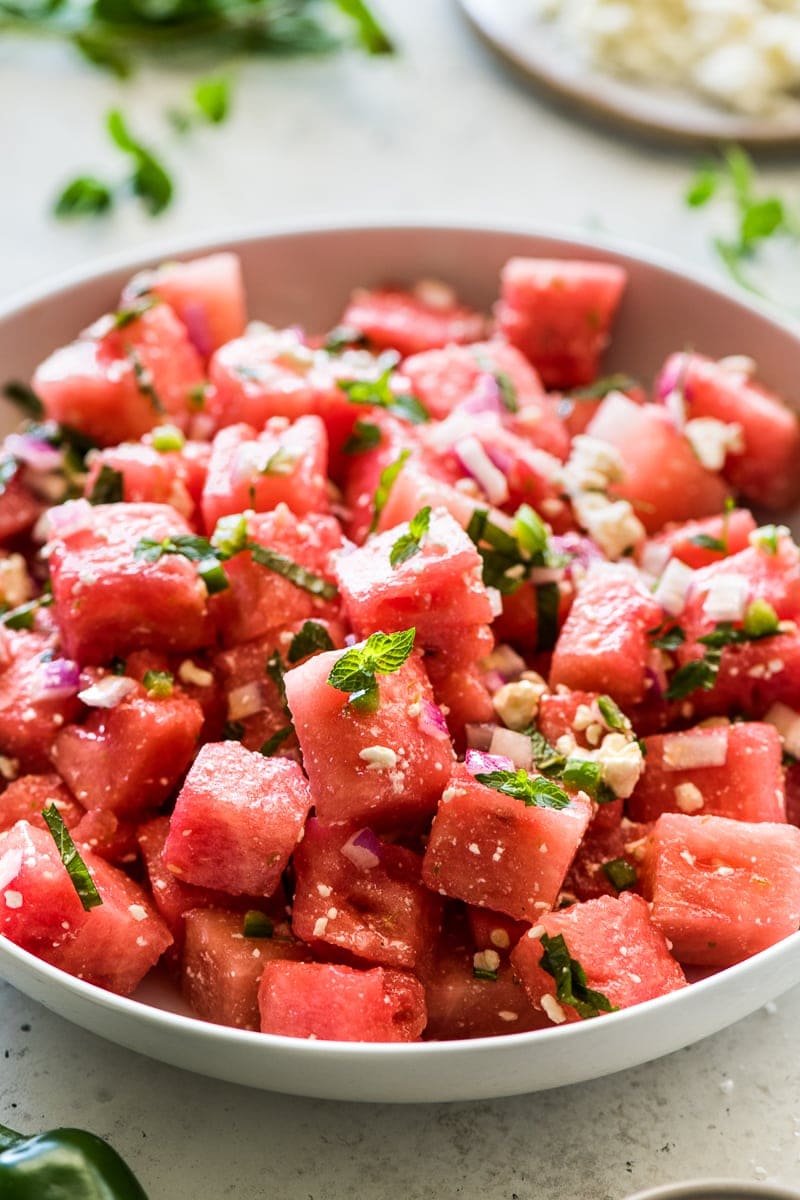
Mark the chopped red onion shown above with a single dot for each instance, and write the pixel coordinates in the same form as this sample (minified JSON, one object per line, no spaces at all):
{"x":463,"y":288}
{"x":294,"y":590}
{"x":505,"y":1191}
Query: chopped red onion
{"x":484,"y":397}
{"x":34,"y":452}
{"x":478,"y":763}
{"x":479,"y":466}
{"x":507,"y":743}
{"x":479,"y":735}
{"x":432,"y":720}
{"x":500,"y":458}
{"x":506,"y":661}
{"x":195,"y":318}
{"x":670,"y":377}
{"x":363,"y":850}
{"x":581,"y":550}
{"x":493,"y":681}
{"x":73,"y":517}
{"x":245,"y":701}
{"x":108,"y":691}
{"x":696,"y":748}
{"x":57,"y":679}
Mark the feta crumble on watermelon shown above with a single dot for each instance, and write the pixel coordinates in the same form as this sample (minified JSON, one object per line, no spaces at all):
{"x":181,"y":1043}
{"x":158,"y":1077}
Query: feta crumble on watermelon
{"x":406,"y":681}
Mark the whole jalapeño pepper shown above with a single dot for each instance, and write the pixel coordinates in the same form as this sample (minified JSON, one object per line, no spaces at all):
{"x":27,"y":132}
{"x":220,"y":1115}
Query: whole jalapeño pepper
{"x":63,"y":1164}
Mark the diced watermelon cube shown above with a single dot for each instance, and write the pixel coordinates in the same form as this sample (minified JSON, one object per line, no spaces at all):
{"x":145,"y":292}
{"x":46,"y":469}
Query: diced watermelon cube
{"x":129,"y":758}
{"x":769,"y":575}
{"x":362,"y":471}
{"x":700,"y":543}
{"x":411,"y":322}
{"x":439,"y":589}
{"x":751,"y":678}
{"x":25,"y":797}
{"x":385,"y":768}
{"x":114,"y":384}
{"x":148,"y":475}
{"x":261,"y":601}
{"x":664,"y":479}
{"x":622,"y":952}
{"x":121,"y":940}
{"x":337,"y":1003}
{"x":269,"y":374}
{"x":29,"y":718}
{"x":765,"y":471}
{"x":19,"y":508}
{"x":249,"y":470}
{"x":107,"y":602}
{"x":206,"y":293}
{"x":491,"y":850}
{"x":222,"y":968}
{"x":39,"y":907}
{"x":559,"y":314}
{"x":603,"y":645}
{"x":363,"y":896}
{"x":722,"y":890}
{"x":746,"y":786}
{"x":237,"y":819}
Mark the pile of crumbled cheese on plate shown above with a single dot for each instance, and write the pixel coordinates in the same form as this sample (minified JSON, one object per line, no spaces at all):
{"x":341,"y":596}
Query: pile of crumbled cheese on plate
{"x":741,"y":54}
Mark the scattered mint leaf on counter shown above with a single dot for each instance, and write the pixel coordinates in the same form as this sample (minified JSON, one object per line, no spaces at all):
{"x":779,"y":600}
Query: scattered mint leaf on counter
{"x":108,"y":487}
{"x":75,"y":866}
{"x":212,"y":98}
{"x":83,"y":196}
{"x":369,"y":32}
{"x":533,"y":790}
{"x":570,"y":979}
{"x":408,"y":544}
{"x":311,"y":638}
{"x":357,"y":670}
{"x":365,"y":436}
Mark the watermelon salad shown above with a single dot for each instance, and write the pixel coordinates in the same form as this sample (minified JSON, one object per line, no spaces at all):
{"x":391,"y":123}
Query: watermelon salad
{"x":409,"y":680}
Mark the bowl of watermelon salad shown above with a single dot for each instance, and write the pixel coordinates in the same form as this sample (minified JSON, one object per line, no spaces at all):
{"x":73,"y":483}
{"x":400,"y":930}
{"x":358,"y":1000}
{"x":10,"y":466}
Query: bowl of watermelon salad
{"x":399,"y":669}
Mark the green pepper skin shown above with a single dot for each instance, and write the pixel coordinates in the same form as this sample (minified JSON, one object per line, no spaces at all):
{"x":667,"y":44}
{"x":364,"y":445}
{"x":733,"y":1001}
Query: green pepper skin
{"x":63,"y":1164}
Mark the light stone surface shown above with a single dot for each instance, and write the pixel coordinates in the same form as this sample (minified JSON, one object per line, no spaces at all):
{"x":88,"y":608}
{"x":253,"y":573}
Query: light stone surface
{"x":439,"y":130}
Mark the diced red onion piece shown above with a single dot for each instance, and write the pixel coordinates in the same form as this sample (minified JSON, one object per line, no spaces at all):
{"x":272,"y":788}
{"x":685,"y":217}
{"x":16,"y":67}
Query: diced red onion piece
{"x":787,"y":722}
{"x":675,"y":406}
{"x":195,"y":318}
{"x":501,"y":459}
{"x":477,"y":464}
{"x":73,"y":517}
{"x":695,"y":748}
{"x":363,"y":850}
{"x":670,"y":377}
{"x":478,"y":763}
{"x":35,"y":453}
{"x":582,"y":550}
{"x":484,"y":397}
{"x":108,"y":691}
{"x":479,"y":735}
{"x":244,"y":701}
{"x":507,"y":743}
{"x":10,"y":866}
{"x":432,"y":722}
{"x":505,"y":660}
{"x":493,"y":681}
{"x":59,"y":678}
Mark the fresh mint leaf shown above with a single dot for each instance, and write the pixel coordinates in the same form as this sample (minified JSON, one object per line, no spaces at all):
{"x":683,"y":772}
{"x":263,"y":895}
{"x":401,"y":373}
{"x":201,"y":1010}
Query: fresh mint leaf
{"x":706,"y":542}
{"x":274,"y":743}
{"x":378,"y":393}
{"x":533,"y":790}
{"x":620,"y":873}
{"x":311,"y":638}
{"x":703,"y":187}
{"x":143,"y":378}
{"x":257,"y":924}
{"x":613,"y":715}
{"x":75,"y":867}
{"x":369,"y":32}
{"x":212,"y":97}
{"x":545,"y":757}
{"x":84,"y":196}
{"x":287,"y":568}
{"x":365,"y":436}
{"x":356,"y":671}
{"x":570,"y":978}
{"x":408,"y":544}
{"x":667,"y":637}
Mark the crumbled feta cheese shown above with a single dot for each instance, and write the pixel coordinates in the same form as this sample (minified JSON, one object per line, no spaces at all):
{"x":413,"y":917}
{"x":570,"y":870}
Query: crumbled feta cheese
{"x":12,"y":898}
{"x":622,"y":763}
{"x":16,"y":585}
{"x":138,"y":912}
{"x":611,"y":523}
{"x":787,"y":722}
{"x":592,"y":466}
{"x":486,"y":960}
{"x":516,"y":704}
{"x":378,"y":758}
{"x":688,"y":798}
{"x":553,"y":1010}
{"x":189,"y":672}
{"x":713,"y":440}
{"x":9,"y":767}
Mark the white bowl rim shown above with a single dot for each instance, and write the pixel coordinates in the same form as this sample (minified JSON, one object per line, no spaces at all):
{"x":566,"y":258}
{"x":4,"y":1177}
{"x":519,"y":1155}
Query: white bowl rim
{"x":711,"y":1189}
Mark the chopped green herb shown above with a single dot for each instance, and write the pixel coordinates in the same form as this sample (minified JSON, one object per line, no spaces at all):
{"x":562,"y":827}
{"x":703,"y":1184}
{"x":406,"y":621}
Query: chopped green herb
{"x":620,"y":873}
{"x":158,"y":684}
{"x":485,"y":973}
{"x":508,"y":392}
{"x":701,"y":673}
{"x":233,"y":731}
{"x":108,"y":487}
{"x":357,"y":670}
{"x":508,"y":558}
{"x":21,"y":617}
{"x":24,"y":398}
{"x":408,"y":544}
{"x":386,"y":481}
{"x":118,"y":666}
{"x":365,"y":436}
{"x":311,"y":638}
{"x":698,"y":674}
{"x":276,"y":670}
{"x":378,"y":393}
{"x":168,"y":437}
{"x":534,"y":790}
{"x":126,"y":316}
{"x":75,"y":866}
{"x":613,"y":715}
{"x":601,"y":387}
{"x":586,"y":774}
{"x":197,"y":396}
{"x":548,"y":599}
{"x":300,"y":576}
{"x":570,"y":979}
{"x":276,"y":741}
{"x":187,"y":545}
{"x":83,"y":196}
{"x":545,"y":757}
{"x":667,"y":637}
{"x":257,"y":924}
{"x":143,"y":377}
{"x":706,"y":542}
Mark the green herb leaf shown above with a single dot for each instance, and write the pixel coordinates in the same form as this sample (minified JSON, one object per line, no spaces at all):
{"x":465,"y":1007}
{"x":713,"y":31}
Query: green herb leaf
{"x":212,"y":97}
{"x":379,"y":394}
{"x":276,"y":741}
{"x":586,"y":774}
{"x":613,"y":715}
{"x":84,"y":196}
{"x":548,"y":600}
{"x":158,"y":684}
{"x":766,"y":538}
{"x":311,"y":638}
{"x":187,"y":545}
{"x":344,"y":337}
{"x":276,"y":670}
{"x":570,"y":979}
{"x":101,"y":52}
{"x":126,"y":316}
{"x":24,"y":398}
{"x":534,"y":790}
{"x":408,"y":544}
{"x":22,"y":617}
{"x":508,"y":392}
{"x":143,"y":378}
{"x":667,"y":637}
{"x":386,"y":481}
{"x":706,"y":542}
{"x":233,"y":731}
{"x":230,"y":536}
{"x":300,"y":576}
{"x":365,"y":436}
{"x":167,"y":438}
{"x":149,"y":180}
{"x":598,"y":390}
{"x":108,"y":487}
{"x":703,"y":186}
{"x":370,"y":34}
{"x":620,"y":873}
{"x":545,"y":757}
{"x":75,"y":866}
{"x":257,"y":924}
{"x":698,"y":674}
{"x":355,"y":672}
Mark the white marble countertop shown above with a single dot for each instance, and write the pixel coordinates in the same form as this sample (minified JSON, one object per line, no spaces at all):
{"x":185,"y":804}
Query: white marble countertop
{"x":439,"y":130}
